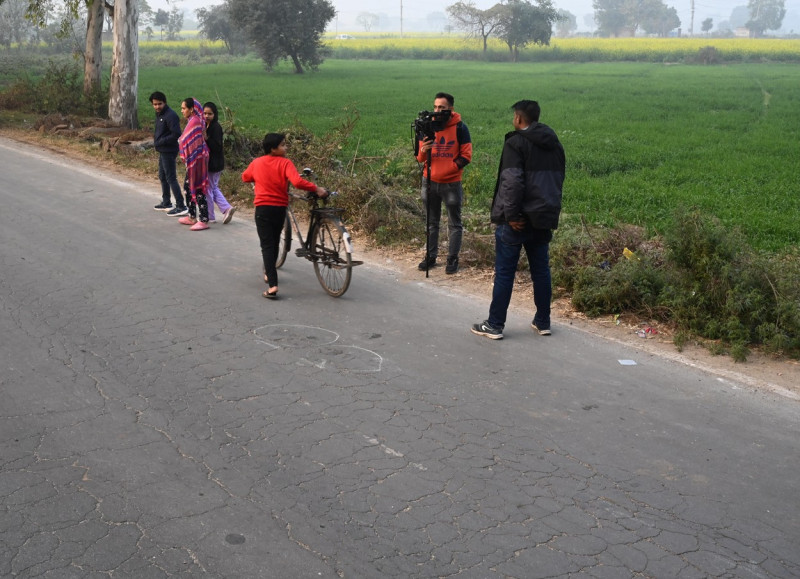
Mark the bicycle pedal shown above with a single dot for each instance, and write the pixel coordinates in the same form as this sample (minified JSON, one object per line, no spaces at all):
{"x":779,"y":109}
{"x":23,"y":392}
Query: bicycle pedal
{"x":301,"y":252}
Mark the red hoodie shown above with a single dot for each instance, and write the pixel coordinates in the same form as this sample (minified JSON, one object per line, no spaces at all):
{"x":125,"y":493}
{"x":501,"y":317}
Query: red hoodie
{"x":446,"y":149}
{"x":271,"y":174}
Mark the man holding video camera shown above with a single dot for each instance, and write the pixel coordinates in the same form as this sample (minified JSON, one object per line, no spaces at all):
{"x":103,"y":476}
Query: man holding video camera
{"x":445,"y":148}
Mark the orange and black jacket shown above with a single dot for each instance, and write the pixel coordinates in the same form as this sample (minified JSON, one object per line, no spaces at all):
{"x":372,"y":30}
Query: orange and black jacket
{"x":452,"y":151}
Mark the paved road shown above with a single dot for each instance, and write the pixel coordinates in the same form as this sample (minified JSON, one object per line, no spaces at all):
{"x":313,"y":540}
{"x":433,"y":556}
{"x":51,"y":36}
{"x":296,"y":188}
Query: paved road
{"x":159,"y":418}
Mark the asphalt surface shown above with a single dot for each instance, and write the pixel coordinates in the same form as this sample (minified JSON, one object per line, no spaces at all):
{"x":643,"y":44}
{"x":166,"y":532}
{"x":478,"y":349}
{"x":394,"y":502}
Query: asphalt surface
{"x":159,"y":418}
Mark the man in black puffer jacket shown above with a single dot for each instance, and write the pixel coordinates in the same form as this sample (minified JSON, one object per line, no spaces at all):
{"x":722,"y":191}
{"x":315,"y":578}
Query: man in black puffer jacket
{"x":525,"y":208}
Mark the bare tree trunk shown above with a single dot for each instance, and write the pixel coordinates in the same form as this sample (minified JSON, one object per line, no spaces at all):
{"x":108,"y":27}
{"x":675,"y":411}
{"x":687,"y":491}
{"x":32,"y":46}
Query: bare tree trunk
{"x":122,"y":104}
{"x":93,"y":58}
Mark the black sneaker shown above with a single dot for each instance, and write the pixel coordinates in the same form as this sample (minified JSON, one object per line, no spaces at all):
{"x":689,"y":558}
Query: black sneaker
{"x":484,"y":329}
{"x":178,"y":211}
{"x":163,"y":206}
{"x":452,"y":265}
{"x":427,"y":263}
{"x":541,"y":331}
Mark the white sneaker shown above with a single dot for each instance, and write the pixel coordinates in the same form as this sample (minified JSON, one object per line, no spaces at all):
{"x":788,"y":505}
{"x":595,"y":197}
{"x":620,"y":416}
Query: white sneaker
{"x":542,"y":332}
{"x":228,"y":215}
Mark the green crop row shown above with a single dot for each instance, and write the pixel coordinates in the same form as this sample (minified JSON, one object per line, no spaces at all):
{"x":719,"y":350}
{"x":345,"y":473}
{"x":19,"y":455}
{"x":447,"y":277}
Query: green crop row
{"x":640,"y":138}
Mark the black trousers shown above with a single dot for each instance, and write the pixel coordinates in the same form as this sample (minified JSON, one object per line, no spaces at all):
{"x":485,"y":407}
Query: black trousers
{"x":196,"y":202}
{"x":269,"y":224}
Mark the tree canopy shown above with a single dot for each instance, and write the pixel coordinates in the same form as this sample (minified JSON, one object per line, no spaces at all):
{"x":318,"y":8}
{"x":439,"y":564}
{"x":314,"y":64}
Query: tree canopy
{"x":566,"y":24}
{"x":658,"y":18}
{"x":285,"y":29}
{"x":522,"y":23}
{"x":14,"y":28}
{"x":765,"y":15}
{"x":625,"y":17}
{"x":367,"y":20}
{"x":516,"y":22}
{"x":475,"y":22}
{"x":215,"y":24}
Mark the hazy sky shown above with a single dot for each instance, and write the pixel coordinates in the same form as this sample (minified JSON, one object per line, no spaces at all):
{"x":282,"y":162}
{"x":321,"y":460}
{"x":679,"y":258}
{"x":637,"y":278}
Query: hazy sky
{"x":416,"y":13}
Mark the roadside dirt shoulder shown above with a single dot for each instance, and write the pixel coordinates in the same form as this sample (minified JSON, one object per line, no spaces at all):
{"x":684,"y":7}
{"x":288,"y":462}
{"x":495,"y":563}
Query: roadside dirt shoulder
{"x":760,"y":372}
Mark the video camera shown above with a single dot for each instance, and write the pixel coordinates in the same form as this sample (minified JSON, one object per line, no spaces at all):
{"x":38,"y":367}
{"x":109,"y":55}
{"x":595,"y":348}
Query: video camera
{"x":427,"y":124}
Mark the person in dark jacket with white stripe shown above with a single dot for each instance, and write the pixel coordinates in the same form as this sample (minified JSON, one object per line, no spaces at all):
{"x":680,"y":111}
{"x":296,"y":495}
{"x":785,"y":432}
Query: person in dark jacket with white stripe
{"x":525,"y":209}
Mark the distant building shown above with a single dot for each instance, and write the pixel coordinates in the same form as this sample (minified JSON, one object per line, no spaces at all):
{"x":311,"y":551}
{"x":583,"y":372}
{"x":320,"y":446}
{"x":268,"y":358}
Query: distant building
{"x":742,"y":32}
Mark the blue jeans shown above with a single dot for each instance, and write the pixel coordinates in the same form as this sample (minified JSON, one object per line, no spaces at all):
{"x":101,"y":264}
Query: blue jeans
{"x":452,"y":195}
{"x":508,"y":246}
{"x":167,"y":174}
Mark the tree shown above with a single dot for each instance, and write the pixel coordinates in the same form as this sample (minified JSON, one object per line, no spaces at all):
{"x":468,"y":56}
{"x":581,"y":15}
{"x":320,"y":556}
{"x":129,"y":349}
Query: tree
{"x":475,"y":22}
{"x":566,"y":24}
{"x":739,"y":17}
{"x":522,"y":23}
{"x":765,"y":15}
{"x":285,"y":29}
{"x":174,"y":23}
{"x":93,"y":47}
{"x":612,"y":17}
{"x":215,"y":24}
{"x":655,"y":17}
{"x":14,"y":28}
{"x":625,"y":17}
{"x":707,"y":25}
{"x":122,"y":102}
{"x":38,"y":12}
{"x":161,"y":19}
{"x":146,"y":13}
{"x":367,"y":20}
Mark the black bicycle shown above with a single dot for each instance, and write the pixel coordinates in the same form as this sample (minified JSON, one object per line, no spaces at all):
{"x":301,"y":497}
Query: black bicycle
{"x":327,"y":243}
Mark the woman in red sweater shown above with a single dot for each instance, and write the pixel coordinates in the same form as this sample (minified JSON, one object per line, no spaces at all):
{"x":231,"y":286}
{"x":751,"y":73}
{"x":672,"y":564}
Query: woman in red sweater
{"x":271,"y":175}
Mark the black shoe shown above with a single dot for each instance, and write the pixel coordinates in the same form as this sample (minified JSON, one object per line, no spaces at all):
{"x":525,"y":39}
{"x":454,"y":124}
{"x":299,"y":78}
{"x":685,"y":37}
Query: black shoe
{"x":452,"y":265}
{"x":427,"y":263}
{"x":484,"y":329}
{"x":178,"y":211}
{"x":163,"y":206}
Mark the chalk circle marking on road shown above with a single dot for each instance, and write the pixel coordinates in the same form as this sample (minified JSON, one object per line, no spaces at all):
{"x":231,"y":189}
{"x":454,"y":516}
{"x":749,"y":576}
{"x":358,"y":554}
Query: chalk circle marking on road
{"x":323,"y":352}
{"x":295,"y":336}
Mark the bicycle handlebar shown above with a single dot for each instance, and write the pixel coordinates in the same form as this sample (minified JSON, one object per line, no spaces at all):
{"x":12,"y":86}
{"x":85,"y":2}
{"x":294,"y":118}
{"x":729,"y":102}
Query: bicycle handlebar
{"x":309,"y":196}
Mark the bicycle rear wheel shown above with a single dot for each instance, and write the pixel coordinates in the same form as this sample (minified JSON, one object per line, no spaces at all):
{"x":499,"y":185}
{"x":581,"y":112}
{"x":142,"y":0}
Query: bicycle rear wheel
{"x":285,"y":243}
{"x":331,"y":254}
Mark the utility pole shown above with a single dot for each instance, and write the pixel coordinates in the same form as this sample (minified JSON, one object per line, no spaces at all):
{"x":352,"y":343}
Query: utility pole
{"x":691,"y":23}
{"x":401,"y":18}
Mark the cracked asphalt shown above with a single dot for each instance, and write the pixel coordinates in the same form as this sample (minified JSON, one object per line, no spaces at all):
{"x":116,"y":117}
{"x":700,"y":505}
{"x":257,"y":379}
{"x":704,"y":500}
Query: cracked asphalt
{"x":159,"y":418}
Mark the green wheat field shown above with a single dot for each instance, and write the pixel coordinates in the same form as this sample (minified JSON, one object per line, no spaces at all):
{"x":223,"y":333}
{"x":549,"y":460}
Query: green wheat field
{"x":641,"y":137}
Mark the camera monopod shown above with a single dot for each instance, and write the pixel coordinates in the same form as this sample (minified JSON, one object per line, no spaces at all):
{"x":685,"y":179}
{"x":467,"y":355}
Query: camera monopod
{"x":426,"y":179}
{"x":428,"y":212}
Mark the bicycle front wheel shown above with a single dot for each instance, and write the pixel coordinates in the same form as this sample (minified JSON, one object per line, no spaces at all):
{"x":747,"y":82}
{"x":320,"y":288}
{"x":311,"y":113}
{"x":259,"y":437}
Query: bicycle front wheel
{"x":331,"y":253}
{"x":285,"y":242}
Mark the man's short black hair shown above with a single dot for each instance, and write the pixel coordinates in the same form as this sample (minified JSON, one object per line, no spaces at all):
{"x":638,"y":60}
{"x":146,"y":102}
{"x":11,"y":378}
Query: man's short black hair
{"x":528,"y":110}
{"x":158,"y":96}
{"x":272,"y":141}
{"x":443,"y":95}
